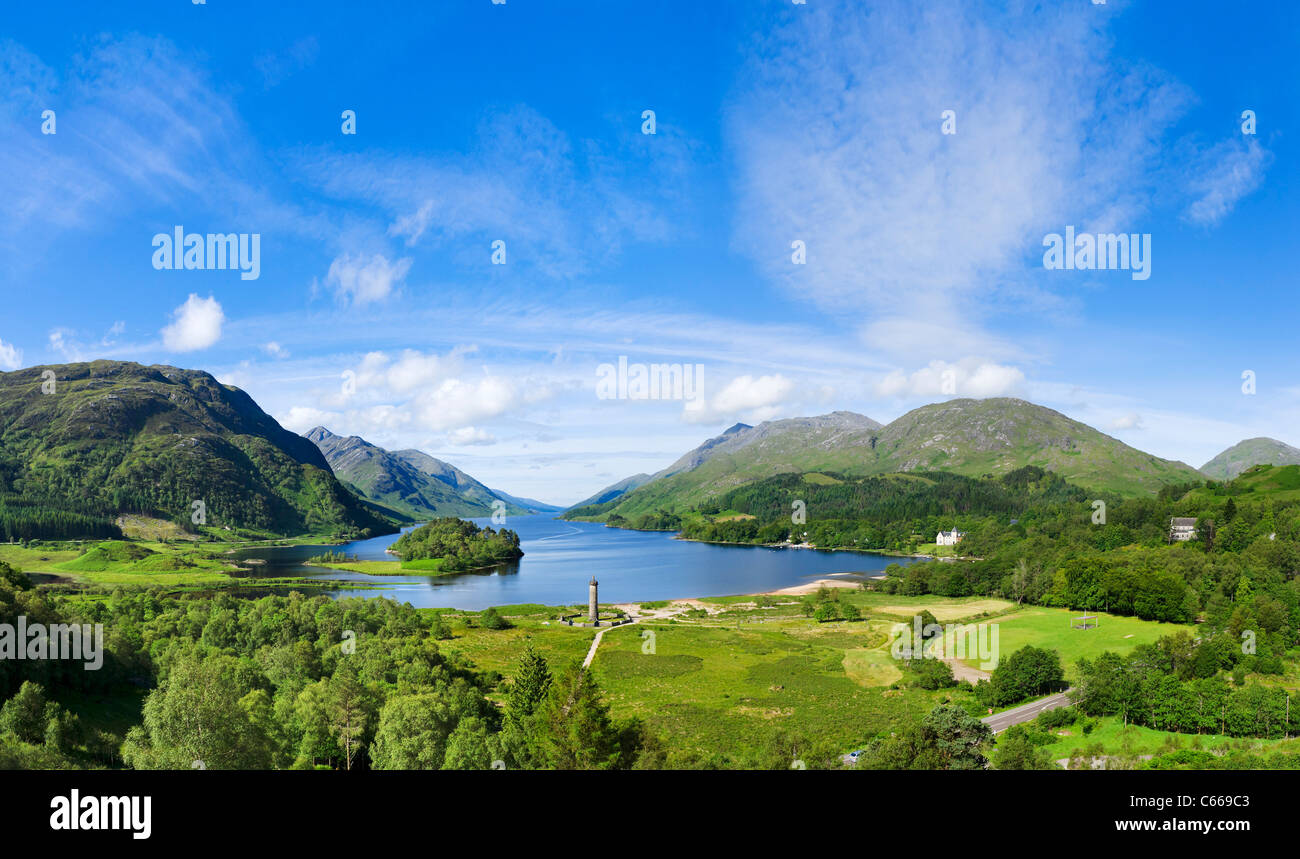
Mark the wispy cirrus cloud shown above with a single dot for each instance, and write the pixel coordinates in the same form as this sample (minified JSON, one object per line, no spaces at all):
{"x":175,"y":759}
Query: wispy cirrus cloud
{"x":839,"y":144}
{"x":1222,"y":175}
{"x":561,"y":205}
{"x":361,"y":280}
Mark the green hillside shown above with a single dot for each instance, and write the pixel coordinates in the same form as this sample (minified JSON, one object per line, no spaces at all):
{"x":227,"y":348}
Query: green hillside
{"x":1252,"y":451}
{"x":1260,"y":482}
{"x":408,"y":482}
{"x":967,"y":437}
{"x":117,"y":437}
{"x":996,"y":436}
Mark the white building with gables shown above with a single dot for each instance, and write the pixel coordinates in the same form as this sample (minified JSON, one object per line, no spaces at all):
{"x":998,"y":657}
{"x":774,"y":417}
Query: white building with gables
{"x":949,"y":538}
{"x":1182,"y":529}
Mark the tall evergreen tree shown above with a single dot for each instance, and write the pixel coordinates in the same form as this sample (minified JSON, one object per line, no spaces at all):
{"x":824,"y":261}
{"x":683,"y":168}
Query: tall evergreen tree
{"x":531,"y":683}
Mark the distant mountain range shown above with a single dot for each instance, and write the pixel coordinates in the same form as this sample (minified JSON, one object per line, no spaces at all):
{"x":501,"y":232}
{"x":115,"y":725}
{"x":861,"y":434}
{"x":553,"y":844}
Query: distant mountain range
{"x":412,"y":483}
{"x":615,"y":490}
{"x":531,"y":504}
{"x":107,"y":437}
{"x":1252,"y":451}
{"x":970,"y":437}
{"x":82,"y":443}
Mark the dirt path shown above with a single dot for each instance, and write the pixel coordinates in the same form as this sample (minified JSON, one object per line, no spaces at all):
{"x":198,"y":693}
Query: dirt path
{"x":595,"y":642}
{"x":671,"y":610}
{"x":962,"y":671}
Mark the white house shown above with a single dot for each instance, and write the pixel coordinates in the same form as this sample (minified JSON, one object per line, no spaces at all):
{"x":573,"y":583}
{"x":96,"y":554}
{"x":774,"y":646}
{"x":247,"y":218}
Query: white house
{"x":1182,"y":529}
{"x":949,"y":538}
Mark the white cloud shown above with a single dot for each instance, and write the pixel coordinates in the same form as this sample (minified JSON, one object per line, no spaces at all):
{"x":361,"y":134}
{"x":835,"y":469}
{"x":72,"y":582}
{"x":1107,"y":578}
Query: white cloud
{"x":302,"y":418}
{"x":361,"y":280}
{"x":390,"y":397}
{"x":1223,"y":175}
{"x":748,"y":397}
{"x":966,"y":378}
{"x":412,"y":226}
{"x":839,"y":145}
{"x":470,"y":436}
{"x":114,"y":331}
{"x":11,"y":357}
{"x":561,"y":204}
{"x":458,"y":403}
{"x":196,"y":324}
{"x":1132,"y":420}
{"x":275,"y":350}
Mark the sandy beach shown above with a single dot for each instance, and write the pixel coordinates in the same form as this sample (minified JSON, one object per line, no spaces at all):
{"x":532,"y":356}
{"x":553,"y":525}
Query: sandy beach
{"x":814,"y":586}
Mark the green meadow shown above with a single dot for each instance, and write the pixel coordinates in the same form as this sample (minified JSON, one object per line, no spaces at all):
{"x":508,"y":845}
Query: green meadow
{"x":1050,"y":628}
{"x":1110,"y":736}
{"x":741,"y":673}
{"x":731,"y":675}
{"x":114,"y":562}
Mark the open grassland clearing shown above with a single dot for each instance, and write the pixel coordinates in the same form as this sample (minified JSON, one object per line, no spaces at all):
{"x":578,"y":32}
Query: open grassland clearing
{"x":385,"y":568}
{"x":945,"y":609}
{"x":499,"y":649}
{"x":719,"y":687}
{"x":1050,"y":628}
{"x":723,"y":677}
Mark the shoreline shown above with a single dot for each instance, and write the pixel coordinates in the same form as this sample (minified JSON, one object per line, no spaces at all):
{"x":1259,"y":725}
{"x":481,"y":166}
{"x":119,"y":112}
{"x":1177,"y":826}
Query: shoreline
{"x":816,"y":585}
{"x":887,"y":553}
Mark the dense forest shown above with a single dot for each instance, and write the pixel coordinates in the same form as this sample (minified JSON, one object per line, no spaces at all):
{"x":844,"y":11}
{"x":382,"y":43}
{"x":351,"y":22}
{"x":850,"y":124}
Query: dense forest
{"x":1179,"y":684}
{"x":893,"y":512}
{"x":459,"y":544}
{"x":25,"y":518}
{"x":296,"y":682}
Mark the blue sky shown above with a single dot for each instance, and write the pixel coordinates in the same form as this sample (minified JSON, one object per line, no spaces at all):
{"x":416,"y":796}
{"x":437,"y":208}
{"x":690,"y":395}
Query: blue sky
{"x":378,"y":310}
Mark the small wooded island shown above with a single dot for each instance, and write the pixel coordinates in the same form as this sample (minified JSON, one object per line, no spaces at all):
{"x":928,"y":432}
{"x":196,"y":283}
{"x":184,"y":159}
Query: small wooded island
{"x":449,"y":544}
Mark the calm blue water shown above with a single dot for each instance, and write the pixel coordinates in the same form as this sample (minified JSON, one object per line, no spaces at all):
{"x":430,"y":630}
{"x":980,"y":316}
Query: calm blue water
{"x":561,"y":557}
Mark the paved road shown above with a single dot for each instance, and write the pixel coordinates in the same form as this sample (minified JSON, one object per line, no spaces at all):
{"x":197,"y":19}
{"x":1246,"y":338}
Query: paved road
{"x":999,"y":722}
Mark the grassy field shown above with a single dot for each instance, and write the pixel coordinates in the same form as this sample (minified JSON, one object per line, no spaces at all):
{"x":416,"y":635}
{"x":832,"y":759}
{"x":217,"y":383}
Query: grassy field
{"x":116,"y":562}
{"x":734,"y":682}
{"x":172,"y":562}
{"x":944,"y":609}
{"x":1050,"y":628}
{"x":499,"y":650}
{"x":384,"y":568}
{"x":734,"y":676}
{"x":39,"y":559}
{"x":1110,"y":736}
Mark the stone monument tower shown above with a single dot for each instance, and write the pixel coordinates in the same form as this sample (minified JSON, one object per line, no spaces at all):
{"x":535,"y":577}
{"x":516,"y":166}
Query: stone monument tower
{"x":592,"y":614}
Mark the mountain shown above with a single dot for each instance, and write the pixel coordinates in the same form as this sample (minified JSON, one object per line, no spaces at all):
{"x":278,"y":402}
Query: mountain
{"x":998,"y":435}
{"x":408,"y":482}
{"x":969,"y":437}
{"x":1252,"y":451}
{"x":108,"y":437}
{"x":615,"y":490}
{"x":730,"y":440}
{"x":530,"y":504}
{"x":746,"y":453}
